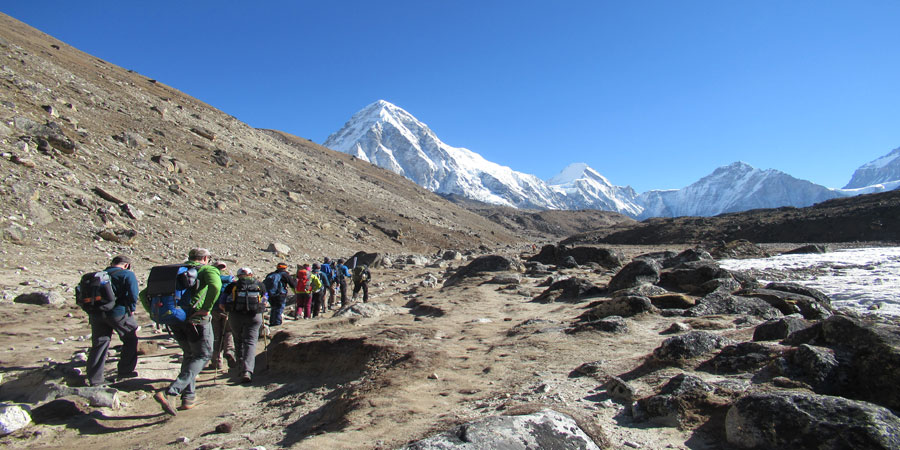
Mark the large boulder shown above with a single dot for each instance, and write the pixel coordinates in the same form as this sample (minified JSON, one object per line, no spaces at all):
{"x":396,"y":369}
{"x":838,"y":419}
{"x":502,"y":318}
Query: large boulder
{"x":689,"y":255}
{"x":681,"y":403}
{"x":796,"y":419}
{"x":818,"y":367}
{"x":809,"y":249}
{"x":635,"y":273}
{"x":868,"y":353}
{"x":372,"y":260}
{"x":778,"y":329}
{"x":789,"y":303}
{"x":723,"y":303}
{"x":13,"y":418}
{"x":570,"y":290}
{"x":687,"y":346}
{"x":741,"y":358}
{"x":543,"y":429}
{"x":611,"y":324}
{"x":40,"y":298}
{"x":481,"y":265}
{"x":738,"y":249}
{"x":690,"y":276}
{"x":552,"y":254}
{"x":619,"y":306}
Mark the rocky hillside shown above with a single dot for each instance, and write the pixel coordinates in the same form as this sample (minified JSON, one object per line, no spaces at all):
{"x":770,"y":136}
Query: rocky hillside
{"x":99,"y":159}
{"x":873,"y":217}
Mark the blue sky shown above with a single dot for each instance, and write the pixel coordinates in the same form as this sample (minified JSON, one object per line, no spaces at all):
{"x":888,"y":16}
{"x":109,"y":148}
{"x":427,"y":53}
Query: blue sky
{"x":652,"y":94}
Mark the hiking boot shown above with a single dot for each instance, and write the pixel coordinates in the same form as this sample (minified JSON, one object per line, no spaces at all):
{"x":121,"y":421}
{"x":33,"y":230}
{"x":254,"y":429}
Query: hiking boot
{"x":163,"y":400}
{"x":229,"y":358}
{"x":187,"y":403}
{"x":124,"y":376}
{"x":247,"y":377}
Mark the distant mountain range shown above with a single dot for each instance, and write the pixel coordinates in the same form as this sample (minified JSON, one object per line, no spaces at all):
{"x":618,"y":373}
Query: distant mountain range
{"x":388,"y":136}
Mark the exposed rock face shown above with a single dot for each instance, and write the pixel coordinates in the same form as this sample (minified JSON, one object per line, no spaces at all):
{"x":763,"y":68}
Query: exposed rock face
{"x":635,"y":273}
{"x":778,"y":329}
{"x":691,"y":345}
{"x":721,"y":303}
{"x":570,"y":290}
{"x":483,"y":264}
{"x":544,"y":429}
{"x":793,"y":419}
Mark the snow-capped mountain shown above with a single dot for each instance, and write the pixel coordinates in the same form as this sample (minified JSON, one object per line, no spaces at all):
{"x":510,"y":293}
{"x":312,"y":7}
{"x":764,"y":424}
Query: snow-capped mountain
{"x":881,"y":171}
{"x":732,"y":188}
{"x":584,"y":188}
{"x":389,"y":137}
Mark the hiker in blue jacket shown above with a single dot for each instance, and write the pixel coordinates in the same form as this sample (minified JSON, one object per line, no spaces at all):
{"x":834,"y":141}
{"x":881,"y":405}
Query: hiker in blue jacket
{"x":222,"y":341}
{"x":341,"y":274}
{"x":329,"y":288}
{"x":120,"y":319}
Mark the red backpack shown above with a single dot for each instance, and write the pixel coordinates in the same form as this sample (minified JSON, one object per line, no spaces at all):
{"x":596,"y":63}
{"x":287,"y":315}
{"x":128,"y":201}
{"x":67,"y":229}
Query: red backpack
{"x":303,"y":283}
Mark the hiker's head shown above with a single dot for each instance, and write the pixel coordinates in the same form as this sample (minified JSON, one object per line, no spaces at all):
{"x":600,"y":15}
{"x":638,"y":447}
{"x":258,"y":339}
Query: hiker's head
{"x":326,"y":260}
{"x":244,"y":272}
{"x":281,"y":266}
{"x":199,"y":254}
{"x":340,"y":260}
{"x":121,"y":261}
{"x":315,"y":267}
{"x":220,"y":265}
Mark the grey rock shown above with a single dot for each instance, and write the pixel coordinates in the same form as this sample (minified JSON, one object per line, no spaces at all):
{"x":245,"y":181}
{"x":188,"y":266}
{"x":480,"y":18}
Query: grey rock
{"x":726,"y":285}
{"x":778,"y":329}
{"x":13,"y":418}
{"x":677,"y":327}
{"x":691,"y":345}
{"x":452,"y":255}
{"x":644,"y":290}
{"x":818,"y":367}
{"x":570,"y":290}
{"x":794,"y":419}
{"x":789,"y":303}
{"x":689,"y":276}
{"x":680,"y":396}
{"x":506,"y":279}
{"x":795,"y":288}
{"x":741,"y":358}
{"x":279,"y":249}
{"x":689,"y":255}
{"x":619,"y":306}
{"x":620,"y":390}
{"x":635,"y":273}
{"x":545,"y":429}
{"x":671,"y":300}
{"x":806,"y":249}
{"x":40,"y":298}
{"x":552,"y":254}
{"x":370,"y":309}
{"x":481,"y":265}
{"x":721,"y":303}
{"x":611,"y":324}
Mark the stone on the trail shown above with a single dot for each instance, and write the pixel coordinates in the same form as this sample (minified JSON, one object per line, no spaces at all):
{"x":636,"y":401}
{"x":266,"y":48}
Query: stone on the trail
{"x":552,"y":254}
{"x":570,"y":290}
{"x":671,"y":300}
{"x":543,"y":429}
{"x":13,"y":418}
{"x":40,"y":298}
{"x":738,"y":249}
{"x":741,"y":358}
{"x":369,"y":310}
{"x":796,"y":419}
{"x":689,"y":276}
{"x":568,"y":262}
{"x":677,"y":327}
{"x":778,"y":329}
{"x":718,"y":303}
{"x":620,"y":390}
{"x":97,"y":396}
{"x":726,"y":285}
{"x":593,"y":369}
{"x":691,"y":345}
{"x":619,"y":306}
{"x":677,"y":402}
{"x":806,"y":249}
{"x":635,"y":273}
{"x":416,"y":260}
{"x":224,"y":427}
{"x":79,"y":357}
{"x":481,"y":265}
{"x":643,"y":290}
{"x":279,"y":249}
{"x":611,"y":324}
{"x":687,"y":256}
{"x":789,"y":303}
{"x":505,"y":279}
{"x":452,"y":255}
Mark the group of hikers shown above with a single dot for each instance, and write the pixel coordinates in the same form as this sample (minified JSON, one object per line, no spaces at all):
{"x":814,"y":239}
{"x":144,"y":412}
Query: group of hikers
{"x":210,"y":313}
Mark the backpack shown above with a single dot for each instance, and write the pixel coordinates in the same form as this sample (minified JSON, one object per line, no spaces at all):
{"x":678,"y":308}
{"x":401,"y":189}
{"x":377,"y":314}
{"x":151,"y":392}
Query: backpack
{"x":322,"y":277}
{"x":246,"y":296}
{"x":169,"y":293}
{"x":303,"y":282}
{"x":360,"y":274}
{"x":274,"y":283}
{"x":94,"y":292}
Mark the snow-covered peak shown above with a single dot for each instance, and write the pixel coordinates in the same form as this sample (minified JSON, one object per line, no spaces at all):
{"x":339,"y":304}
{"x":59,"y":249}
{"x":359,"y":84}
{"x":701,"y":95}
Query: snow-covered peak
{"x":880,"y":171}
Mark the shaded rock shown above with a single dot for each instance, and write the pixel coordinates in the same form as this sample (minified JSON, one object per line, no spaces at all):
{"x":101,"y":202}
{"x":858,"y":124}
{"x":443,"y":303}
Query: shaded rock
{"x":40,"y":298}
{"x":738,"y":249}
{"x":452,"y":255}
{"x":688,"y":277}
{"x":279,"y":249}
{"x":868,"y":353}
{"x":726,"y":285}
{"x":619,"y":306}
{"x":778,"y":329}
{"x":131,"y":211}
{"x":673,"y":301}
{"x":644,"y":290}
{"x":552,"y":254}
{"x":108,"y":195}
{"x":416,"y":260}
{"x":789,"y":303}
{"x":618,"y":389}
{"x":806,"y":249}
{"x":794,"y":419}
{"x":795,"y":288}
{"x":544,"y":429}
{"x":721,"y":303}
{"x":818,"y":367}
{"x":741,"y":358}
{"x":657,"y":256}
{"x":505,"y":279}
{"x":203,"y":132}
{"x":222,"y":158}
{"x":571,"y":290}
{"x":131,"y":139}
{"x":689,"y":255}
{"x":168,"y":163}
{"x":121,"y":236}
{"x":372,"y":260}
{"x":60,"y":411}
{"x":593,"y":369}
{"x":611,"y":324}
{"x":682,"y":402}
{"x":568,"y":262}
{"x":690,"y":345}
{"x":635,"y":273}
{"x":536,"y":326}
{"x":481,"y":265}
{"x":13,"y":418}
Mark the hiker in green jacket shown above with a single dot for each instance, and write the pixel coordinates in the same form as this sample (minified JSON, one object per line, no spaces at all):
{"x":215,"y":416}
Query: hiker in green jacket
{"x":194,"y":335}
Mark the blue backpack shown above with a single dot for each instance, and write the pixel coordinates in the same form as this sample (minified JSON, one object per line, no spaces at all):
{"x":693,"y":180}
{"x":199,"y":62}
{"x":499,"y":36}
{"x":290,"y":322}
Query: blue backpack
{"x":169,"y":293}
{"x":274,"y":283}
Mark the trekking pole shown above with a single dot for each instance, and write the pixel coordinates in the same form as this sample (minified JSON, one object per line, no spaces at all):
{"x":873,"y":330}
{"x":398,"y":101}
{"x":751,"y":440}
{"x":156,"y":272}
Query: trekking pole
{"x":221,"y":350}
{"x":266,"y":342}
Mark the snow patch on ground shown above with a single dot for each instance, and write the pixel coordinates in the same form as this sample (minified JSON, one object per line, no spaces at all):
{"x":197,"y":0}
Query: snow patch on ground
{"x":861,"y":278}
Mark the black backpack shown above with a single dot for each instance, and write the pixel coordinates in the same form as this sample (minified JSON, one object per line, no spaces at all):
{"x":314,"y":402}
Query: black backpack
{"x":94,"y":292}
{"x":246,"y":296}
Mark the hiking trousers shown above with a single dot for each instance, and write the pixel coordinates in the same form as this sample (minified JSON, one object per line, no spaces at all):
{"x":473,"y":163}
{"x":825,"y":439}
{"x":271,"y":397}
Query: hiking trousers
{"x":342,"y":285}
{"x":304,"y":303}
{"x":365,"y":288}
{"x":317,"y":302}
{"x":102,"y":327}
{"x":277,"y":302}
{"x":196,"y":341}
{"x":222,"y":341}
{"x":245,"y":329}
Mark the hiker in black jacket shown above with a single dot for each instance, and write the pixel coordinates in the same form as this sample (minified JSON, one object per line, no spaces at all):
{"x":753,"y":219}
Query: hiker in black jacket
{"x":245,"y":301}
{"x":120,"y":319}
{"x":277,"y":284}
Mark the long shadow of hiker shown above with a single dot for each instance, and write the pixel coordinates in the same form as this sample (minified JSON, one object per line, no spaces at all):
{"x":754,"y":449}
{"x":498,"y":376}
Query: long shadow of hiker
{"x":77,"y":416}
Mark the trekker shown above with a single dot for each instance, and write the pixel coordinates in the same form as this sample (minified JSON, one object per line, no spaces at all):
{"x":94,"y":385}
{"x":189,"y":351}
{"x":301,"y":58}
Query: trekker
{"x":304,"y":291}
{"x":222,"y":340}
{"x":329,"y":287}
{"x":277,"y":284}
{"x":361,"y":277}
{"x":245,"y":302}
{"x":318,"y":295}
{"x":194,"y":335}
{"x":120,"y":319}
{"x":342,"y":273}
